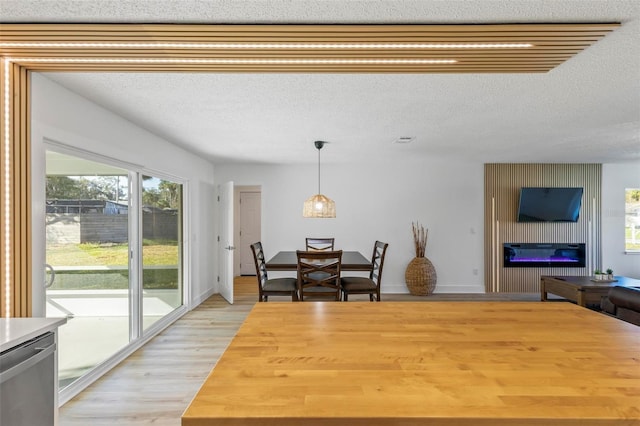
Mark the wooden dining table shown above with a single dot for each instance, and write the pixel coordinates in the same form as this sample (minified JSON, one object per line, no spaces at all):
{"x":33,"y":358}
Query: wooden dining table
{"x":288,"y":261}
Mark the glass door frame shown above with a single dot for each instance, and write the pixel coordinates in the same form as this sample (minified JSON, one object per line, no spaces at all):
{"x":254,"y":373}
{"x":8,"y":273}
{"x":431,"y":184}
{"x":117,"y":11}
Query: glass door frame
{"x":138,"y":336}
{"x":184,"y":256}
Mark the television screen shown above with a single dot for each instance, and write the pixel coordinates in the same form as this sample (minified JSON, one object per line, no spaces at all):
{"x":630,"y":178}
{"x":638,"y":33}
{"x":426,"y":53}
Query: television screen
{"x":549,"y":204}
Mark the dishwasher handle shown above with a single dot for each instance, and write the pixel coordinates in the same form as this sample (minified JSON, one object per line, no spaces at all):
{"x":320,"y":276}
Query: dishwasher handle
{"x":27,"y":363}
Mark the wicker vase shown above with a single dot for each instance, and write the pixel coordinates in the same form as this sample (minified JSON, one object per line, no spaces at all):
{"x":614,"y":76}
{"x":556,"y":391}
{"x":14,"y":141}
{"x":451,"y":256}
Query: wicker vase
{"x":420,"y":276}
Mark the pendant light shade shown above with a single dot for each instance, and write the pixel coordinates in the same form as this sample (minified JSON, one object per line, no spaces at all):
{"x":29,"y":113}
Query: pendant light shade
{"x":319,"y":206}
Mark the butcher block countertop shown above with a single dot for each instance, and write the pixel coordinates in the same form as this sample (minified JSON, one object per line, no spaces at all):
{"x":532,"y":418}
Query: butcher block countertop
{"x":424,"y":363}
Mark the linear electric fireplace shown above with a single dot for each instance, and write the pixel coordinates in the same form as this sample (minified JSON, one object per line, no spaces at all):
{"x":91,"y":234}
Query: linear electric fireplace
{"x":530,"y":255}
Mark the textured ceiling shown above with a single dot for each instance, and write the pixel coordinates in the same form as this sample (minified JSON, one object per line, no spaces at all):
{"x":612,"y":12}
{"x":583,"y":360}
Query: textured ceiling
{"x":585,"y":110}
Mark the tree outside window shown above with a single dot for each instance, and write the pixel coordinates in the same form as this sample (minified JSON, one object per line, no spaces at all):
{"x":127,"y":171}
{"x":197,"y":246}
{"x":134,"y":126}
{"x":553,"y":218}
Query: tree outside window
{"x":632,"y":219}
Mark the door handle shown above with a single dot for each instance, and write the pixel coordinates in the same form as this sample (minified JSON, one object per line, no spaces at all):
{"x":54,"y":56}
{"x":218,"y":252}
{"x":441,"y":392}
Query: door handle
{"x":48,"y":283}
{"x":230,"y":248}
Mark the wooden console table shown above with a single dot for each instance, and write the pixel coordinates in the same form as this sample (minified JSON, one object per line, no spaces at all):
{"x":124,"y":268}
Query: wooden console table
{"x":581,"y":289}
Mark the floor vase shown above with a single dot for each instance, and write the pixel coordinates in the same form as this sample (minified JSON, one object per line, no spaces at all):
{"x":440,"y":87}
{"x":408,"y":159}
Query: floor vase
{"x":420,"y":276}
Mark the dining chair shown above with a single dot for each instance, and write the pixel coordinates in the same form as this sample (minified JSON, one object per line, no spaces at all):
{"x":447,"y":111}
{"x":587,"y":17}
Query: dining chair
{"x":275,"y":286}
{"x":319,"y":273}
{"x":319,"y":244}
{"x":364,"y":285}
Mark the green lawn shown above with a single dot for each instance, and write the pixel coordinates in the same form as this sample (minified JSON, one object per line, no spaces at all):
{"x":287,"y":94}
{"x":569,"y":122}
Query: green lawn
{"x":93,"y":254}
{"x":630,"y":246}
{"x":155,"y":253}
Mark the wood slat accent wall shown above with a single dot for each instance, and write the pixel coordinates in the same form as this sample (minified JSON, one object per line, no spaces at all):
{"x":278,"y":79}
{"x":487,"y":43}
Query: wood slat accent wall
{"x":552,"y":44}
{"x":502,"y":192}
{"x":16,"y":268}
{"x":5,"y":234}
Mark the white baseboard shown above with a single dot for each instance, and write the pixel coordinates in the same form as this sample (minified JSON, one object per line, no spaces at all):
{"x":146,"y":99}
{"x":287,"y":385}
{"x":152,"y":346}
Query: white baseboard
{"x":201,"y":298}
{"x":440,"y":288}
{"x":453,"y":288}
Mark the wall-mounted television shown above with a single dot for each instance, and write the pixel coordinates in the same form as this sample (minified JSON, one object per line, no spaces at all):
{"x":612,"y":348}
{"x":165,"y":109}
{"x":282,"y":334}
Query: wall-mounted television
{"x":549,"y":204}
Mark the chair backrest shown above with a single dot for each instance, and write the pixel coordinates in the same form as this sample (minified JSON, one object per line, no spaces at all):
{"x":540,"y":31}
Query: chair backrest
{"x":319,"y":272}
{"x":261,"y":266}
{"x":377,"y":260}
{"x":319,"y":244}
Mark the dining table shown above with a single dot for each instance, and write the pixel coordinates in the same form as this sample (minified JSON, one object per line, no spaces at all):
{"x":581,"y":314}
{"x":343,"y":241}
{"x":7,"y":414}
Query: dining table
{"x":288,"y":261}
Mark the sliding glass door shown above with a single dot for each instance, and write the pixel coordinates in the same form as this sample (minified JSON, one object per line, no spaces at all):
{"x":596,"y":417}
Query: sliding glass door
{"x":161,"y":248}
{"x":114,"y":257}
{"x":87,"y":256}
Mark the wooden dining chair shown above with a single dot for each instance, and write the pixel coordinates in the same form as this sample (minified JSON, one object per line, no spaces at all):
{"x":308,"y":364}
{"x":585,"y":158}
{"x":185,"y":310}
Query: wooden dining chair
{"x":364,"y":285}
{"x":319,"y":244}
{"x":319,"y":274}
{"x":275,"y":286}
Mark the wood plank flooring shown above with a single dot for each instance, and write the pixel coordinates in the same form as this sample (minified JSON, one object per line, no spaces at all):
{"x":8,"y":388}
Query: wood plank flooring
{"x":156,"y":384}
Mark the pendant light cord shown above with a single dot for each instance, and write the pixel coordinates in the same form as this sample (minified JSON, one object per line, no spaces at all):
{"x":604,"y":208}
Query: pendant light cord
{"x":319,"y":171}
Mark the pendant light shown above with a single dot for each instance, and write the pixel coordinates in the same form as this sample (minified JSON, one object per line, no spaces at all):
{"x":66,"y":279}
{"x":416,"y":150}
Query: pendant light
{"x":319,"y":205}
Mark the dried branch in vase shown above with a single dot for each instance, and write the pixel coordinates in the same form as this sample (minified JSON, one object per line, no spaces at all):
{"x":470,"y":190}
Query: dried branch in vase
{"x":419,"y":239}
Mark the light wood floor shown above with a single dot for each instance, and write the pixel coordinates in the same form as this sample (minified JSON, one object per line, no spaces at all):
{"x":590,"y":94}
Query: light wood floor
{"x":156,"y":384}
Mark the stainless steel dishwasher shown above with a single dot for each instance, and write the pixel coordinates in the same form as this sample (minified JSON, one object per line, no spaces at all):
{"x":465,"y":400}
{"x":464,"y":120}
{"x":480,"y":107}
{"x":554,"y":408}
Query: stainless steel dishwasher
{"x":27,"y":387}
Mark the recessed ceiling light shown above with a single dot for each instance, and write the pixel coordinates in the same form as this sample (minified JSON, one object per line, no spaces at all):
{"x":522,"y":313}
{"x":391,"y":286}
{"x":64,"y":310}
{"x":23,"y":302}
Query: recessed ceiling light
{"x":404,"y":139}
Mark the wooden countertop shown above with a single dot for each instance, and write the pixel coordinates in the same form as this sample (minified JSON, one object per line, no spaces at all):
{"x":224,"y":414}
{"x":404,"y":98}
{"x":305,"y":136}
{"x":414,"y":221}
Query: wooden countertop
{"x":424,"y":363}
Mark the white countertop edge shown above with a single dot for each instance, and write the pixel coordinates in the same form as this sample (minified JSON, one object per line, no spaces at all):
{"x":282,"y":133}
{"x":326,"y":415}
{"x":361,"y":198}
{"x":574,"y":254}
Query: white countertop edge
{"x":14,"y":331}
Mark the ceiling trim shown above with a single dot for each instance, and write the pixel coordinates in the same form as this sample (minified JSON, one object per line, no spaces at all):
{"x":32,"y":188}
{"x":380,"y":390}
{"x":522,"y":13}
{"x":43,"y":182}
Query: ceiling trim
{"x":299,"y":48}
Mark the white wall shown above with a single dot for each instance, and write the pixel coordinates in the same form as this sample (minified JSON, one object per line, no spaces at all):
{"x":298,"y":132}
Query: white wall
{"x":615,"y":179}
{"x":379,"y":202}
{"x":62,"y":116}
{"x":374,"y":201}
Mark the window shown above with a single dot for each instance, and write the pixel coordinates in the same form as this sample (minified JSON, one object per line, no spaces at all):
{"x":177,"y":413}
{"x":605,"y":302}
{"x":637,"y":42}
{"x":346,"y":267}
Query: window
{"x":632,"y":220}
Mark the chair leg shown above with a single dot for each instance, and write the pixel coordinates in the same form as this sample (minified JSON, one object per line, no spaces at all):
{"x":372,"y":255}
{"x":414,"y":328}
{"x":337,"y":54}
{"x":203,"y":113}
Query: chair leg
{"x":370,"y":297}
{"x":346,"y":296}
{"x":294,"y":296}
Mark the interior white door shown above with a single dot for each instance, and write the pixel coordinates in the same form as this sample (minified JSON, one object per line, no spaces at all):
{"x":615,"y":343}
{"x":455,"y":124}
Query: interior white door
{"x":225,"y":241}
{"x":249,"y":230}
